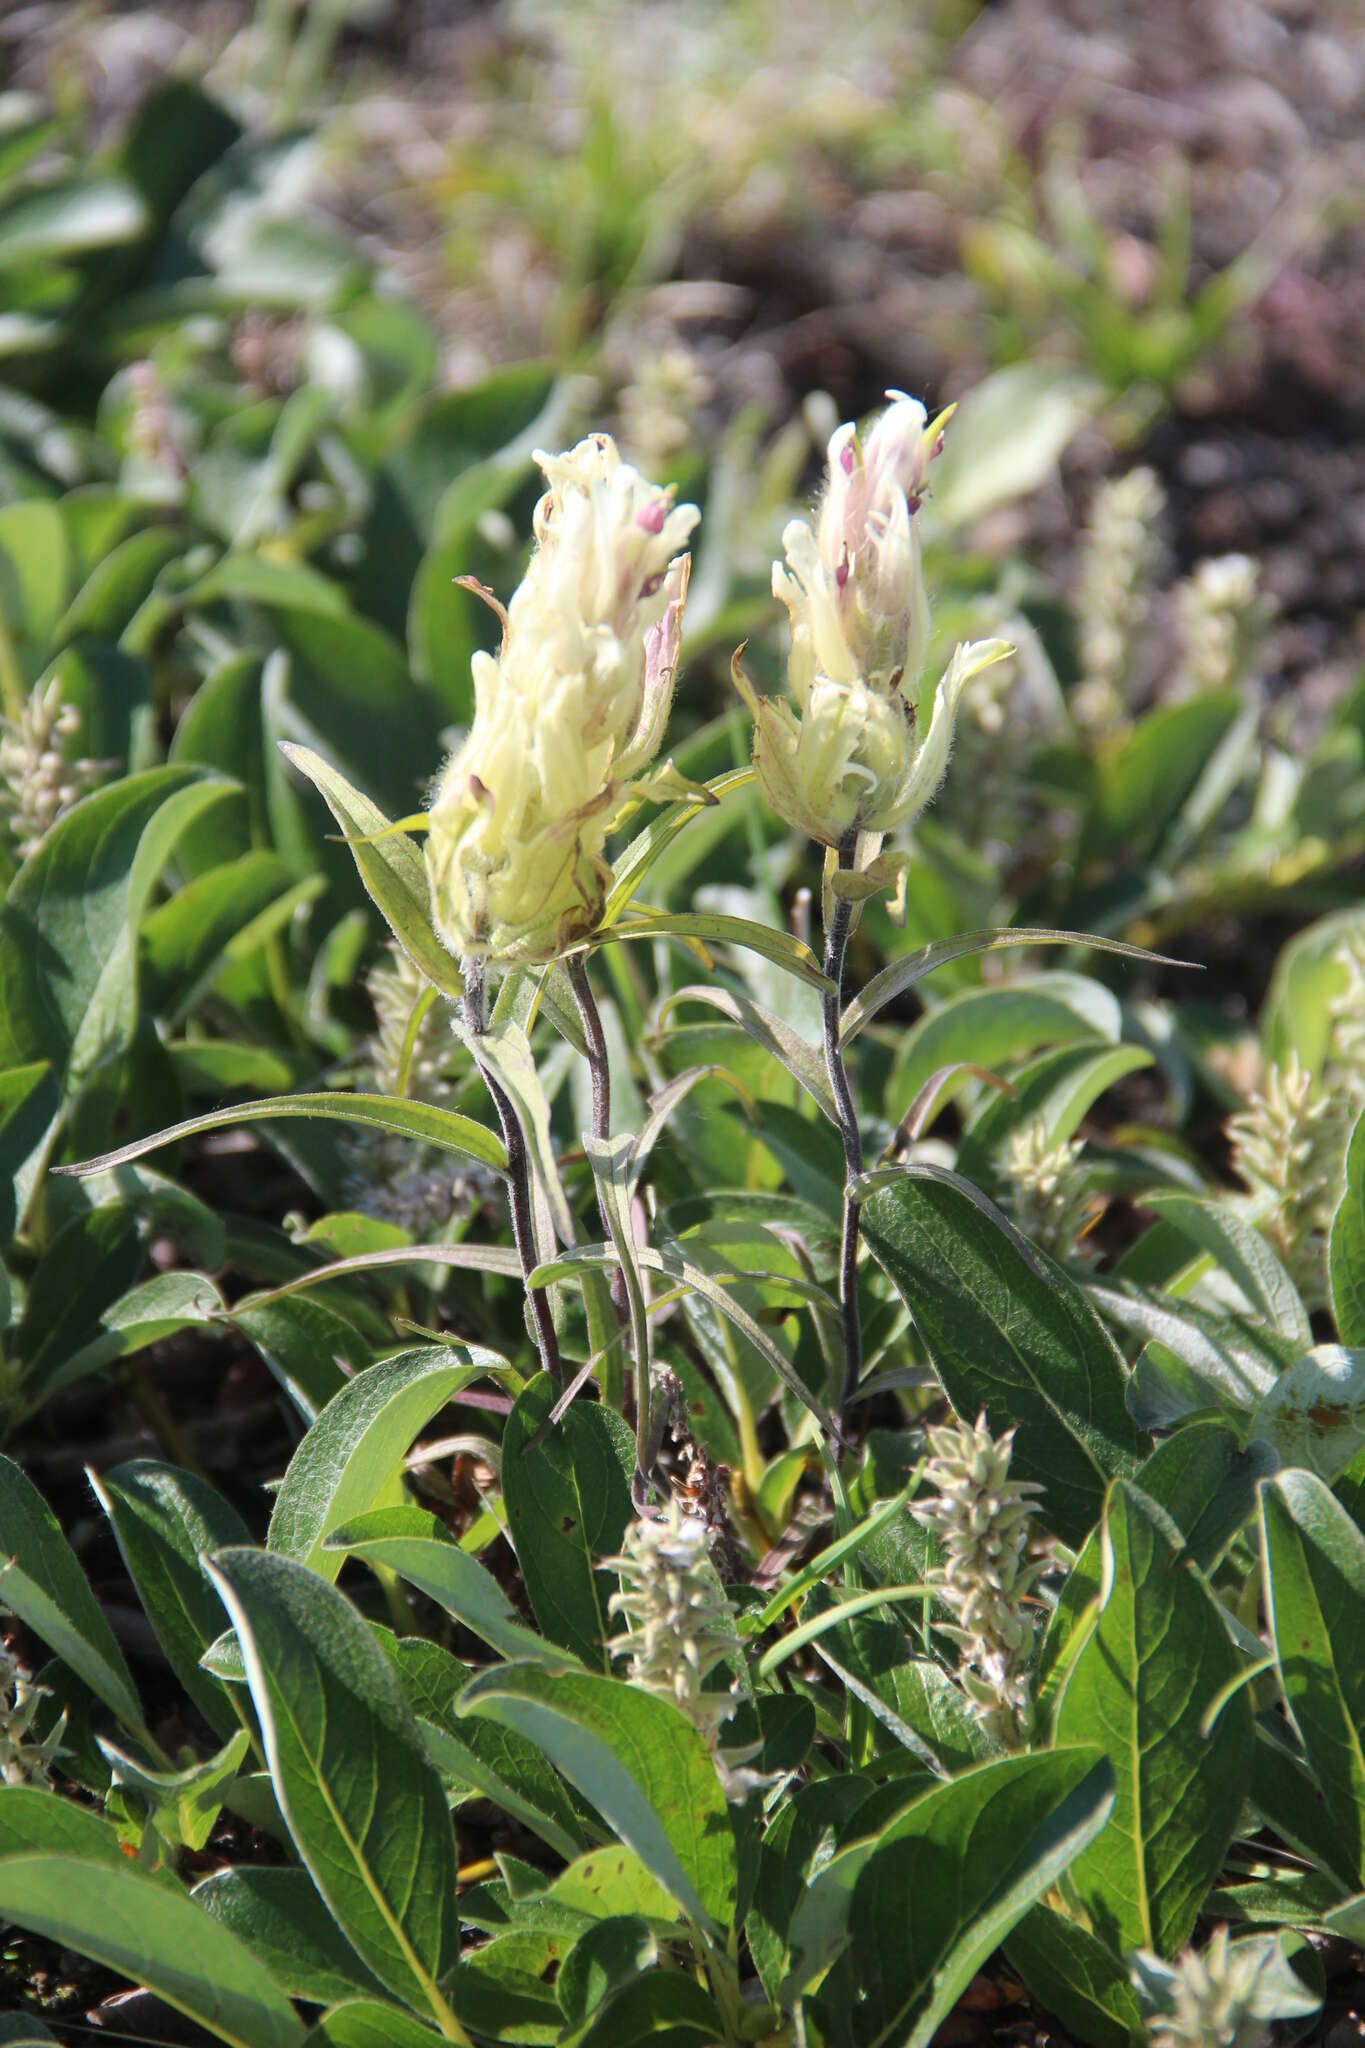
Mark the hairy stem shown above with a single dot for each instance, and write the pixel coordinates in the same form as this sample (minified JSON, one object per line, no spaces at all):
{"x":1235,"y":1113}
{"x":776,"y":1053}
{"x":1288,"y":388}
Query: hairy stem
{"x":600,"y":1072}
{"x":836,"y":945}
{"x":518,"y":1180}
{"x":598,"y":1068}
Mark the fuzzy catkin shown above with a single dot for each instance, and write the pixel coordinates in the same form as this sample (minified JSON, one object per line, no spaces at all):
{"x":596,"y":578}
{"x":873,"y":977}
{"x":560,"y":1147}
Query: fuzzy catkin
{"x":680,"y":1625}
{"x":982,"y":1519}
{"x":38,"y":784}
{"x":1288,"y":1148}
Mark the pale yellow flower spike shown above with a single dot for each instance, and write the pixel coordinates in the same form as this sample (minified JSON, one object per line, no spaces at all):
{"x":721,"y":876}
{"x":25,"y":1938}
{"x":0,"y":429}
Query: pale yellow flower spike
{"x":846,"y":753}
{"x":571,"y":708}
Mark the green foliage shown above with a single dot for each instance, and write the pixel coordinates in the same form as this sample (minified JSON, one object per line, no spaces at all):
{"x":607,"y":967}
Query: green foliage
{"x":452,"y":1774}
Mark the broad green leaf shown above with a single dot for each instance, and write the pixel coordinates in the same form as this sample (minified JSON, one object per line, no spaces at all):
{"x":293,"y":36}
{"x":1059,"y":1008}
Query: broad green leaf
{"x":1206,"y":1483}
{"x":86,"y":1267}
{"x":35,"y":569}
{"x":1243,"y":1253}
{"x":1157,"y":1659}
{"x":1006,"y":1832}
{"x":1054,"y":1092}
{"x":361,"y":1798}
{"x":566,"y":1487}
{"x":41,"y":1582}
{"x":445,"y":1129}
{"x":907,"y":972}
{"x":1143,"y":783}
{"x":279,"y":1917}
{"x":1007,"y":439}
{"x":165,"y":1520}
{"x":33,"y":1821}
{"x":390,"y":865}
{"x":1007,"y":1331}
{"x":912,"y":1697}
{"x":1076,"y":1978}
{"x":312,"y":1350}
{"x":71,"y":218}
{"x":1314,"y":1415}
{"x":221,"y":916}
{"x":422,"y":1550}
{"x":607,"y":1956}
{"x":1290,"y":1802}
{"x":642,"y":1765}
{"x":1315,"y":1597}
{"x":663,"y":2007}
{"x":155,"y":1936}
{"x":353,"y":1455}
{"x":29,"y":1098}
{"x":68,"y":931}
{"x":365,"y":2023}
{"x":1346,"y":1251}
{"x":161,"y":1306}
{"x":1216,"y":1361}
{"x":465,"y":1765}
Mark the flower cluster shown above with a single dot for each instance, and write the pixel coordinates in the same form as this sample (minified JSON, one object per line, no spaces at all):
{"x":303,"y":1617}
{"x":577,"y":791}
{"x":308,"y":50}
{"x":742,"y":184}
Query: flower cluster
{"x":1049,"y":1195}
{"x":573,"y":706}
{"x":1288,"y":1148}
{"x":1228,"y":1997}
{"x":680,"y":1624}
{"x":981,"y":1517}
{"x":848,"y":754}
{"x":24,"y":1761}
{"x":1222,"y":616}
{"x":1121,"y":549}
{"x":38,"y":784}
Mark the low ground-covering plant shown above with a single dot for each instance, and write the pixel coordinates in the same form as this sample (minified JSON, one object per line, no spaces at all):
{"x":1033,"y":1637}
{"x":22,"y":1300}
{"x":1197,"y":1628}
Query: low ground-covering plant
{"x":792,"y":1499}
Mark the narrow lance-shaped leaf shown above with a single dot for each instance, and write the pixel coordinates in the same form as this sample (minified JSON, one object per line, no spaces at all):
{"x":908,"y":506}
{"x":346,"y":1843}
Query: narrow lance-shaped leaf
{"x":567,"y":1491}
{"x":786,"y":1046}
{"x":642,"y":1764}
{"x":1158,"y":1658}
{"x":390,"y":866}
{"x":156,"y":1937}
{"x":41,"y":1582}
{"x":1346,"y":1249}
{"x":1315,"y":1597}
{"x":901,"y":975}
{"x":1006,"y":1331}
{"x":354,"y":1452}
{"x":1006,"y":1832}
{"x":445,"y":1129}
{"x":359,"y":1794}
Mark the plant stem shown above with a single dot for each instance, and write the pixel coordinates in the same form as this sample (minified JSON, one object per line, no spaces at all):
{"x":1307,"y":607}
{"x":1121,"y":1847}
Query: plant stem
{"x":836,"y":945}
{"x":518,"y":1180}
{"x":598,"y":1067}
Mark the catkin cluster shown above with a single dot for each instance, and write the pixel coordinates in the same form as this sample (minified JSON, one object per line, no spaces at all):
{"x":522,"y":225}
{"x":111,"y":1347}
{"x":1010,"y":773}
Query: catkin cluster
{"x":680,"y":1625}
{"x":981,"y":1517}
